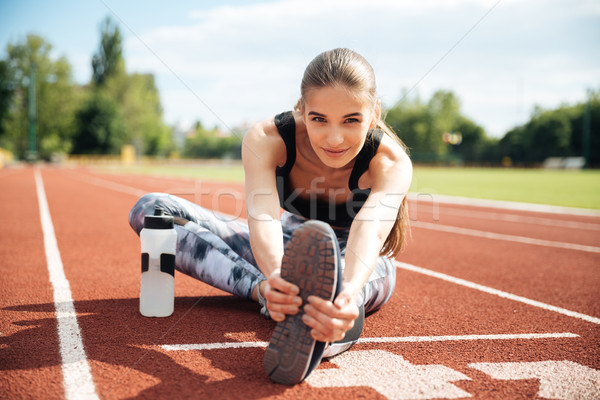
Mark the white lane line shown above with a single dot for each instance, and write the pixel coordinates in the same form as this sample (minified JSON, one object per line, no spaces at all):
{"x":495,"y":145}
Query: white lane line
{"x":501,"y":236}
{"x":504,"y":205}
{"x":521,"y":219}
{"x":497,"y":292}
{"x":459,"y":338}
{"x":401,"y":339}
{"x":77,"y":375}
{"x":212,"y":346}
{"x":110,"y":185}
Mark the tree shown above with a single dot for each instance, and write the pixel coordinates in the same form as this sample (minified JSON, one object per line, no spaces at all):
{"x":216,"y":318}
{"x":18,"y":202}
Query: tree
{"x":108,"y":61}
{"x":6,"y":96}
{"x":56,"y":95}
{"x":556,"y":133}
{"x":408,"y":119}
{"x":100,"y":126}
{"x":209,"y":144}
{"x":548,"y":135}
{"x":422,"y":127}
{"x":475,"y":146}
{"x":136,"y":96}
{"x":443,"y":112}
{"x":142,"y":111}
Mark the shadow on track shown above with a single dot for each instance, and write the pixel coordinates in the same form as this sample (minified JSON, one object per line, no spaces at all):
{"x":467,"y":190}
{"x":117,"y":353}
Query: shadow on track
{"x":116,"y":334}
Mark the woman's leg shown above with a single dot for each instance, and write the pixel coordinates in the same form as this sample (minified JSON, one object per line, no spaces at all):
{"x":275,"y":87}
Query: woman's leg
{"x":377,"y":291}
{"x":380,"y":287}
{"x":210,"y":247}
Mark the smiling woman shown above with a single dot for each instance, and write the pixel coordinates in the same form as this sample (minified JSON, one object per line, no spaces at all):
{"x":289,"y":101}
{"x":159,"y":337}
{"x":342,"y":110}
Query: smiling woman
{"x":337,"y":137}
{"x":341,"y":176}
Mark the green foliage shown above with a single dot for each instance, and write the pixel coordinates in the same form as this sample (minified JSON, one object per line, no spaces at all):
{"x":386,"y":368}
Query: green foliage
{"x":139,"y":120}
{"x":108,"y":61}
{"x":475,"y":146}
{"x":6,"y":94}
{"x":115,"y":109}
{"x":100,"y":126}
{"x":210,"y":144}
{"x":57,"y":98}
{"x":555,"y":133}
{"x":142,"y":111}
{"x":549,"y":133}
{"x":422,"y":127}
{"x":443,"y":112}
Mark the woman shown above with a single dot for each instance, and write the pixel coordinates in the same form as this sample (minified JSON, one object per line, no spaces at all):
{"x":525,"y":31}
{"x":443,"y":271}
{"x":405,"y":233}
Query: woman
{"x":341,"y":175}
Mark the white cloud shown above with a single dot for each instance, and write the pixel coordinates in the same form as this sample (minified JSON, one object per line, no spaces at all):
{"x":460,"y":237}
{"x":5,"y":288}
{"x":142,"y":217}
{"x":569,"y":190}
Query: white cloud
{"x":246,"y":62}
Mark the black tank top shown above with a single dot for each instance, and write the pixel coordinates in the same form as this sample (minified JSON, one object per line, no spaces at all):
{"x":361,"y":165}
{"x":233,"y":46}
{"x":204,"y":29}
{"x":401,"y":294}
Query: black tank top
{"x":335,"y":214}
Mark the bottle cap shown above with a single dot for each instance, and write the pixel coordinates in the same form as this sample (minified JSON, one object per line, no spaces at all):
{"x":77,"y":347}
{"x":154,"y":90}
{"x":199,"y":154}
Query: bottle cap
{"x":158,"y":221}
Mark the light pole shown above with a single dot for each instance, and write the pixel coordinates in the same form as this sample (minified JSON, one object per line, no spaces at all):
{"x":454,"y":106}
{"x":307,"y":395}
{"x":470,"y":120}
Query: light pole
{"x":585,"y":142}
{"x":32,"y":114}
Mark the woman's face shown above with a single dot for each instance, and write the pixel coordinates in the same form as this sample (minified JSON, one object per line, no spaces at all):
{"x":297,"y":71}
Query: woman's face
{"x":337,"y":123}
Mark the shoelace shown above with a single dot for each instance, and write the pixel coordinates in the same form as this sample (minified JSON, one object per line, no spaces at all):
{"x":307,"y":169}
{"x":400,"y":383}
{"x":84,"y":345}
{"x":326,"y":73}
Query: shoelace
{"x":263,"y":303}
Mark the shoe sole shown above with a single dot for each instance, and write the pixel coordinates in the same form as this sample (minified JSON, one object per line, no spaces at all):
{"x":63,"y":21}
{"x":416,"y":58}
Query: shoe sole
{"x":309,"y":262}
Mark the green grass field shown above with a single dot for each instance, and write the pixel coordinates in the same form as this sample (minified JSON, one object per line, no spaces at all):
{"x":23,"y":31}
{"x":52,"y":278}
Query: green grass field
{"x":209,"y":171}
{"x":561,"y":188}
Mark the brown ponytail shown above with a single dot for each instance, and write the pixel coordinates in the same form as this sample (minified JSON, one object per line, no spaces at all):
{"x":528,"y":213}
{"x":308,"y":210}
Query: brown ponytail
{"x":396,"y":240}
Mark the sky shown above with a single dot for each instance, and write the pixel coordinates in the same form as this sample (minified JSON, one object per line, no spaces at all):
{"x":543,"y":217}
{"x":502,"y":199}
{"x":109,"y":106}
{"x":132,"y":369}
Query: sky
{"x":229,"y":63}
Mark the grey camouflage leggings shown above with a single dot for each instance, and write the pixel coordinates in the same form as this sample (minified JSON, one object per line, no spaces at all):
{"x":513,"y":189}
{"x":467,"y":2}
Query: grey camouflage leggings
{"x":215,"y":249}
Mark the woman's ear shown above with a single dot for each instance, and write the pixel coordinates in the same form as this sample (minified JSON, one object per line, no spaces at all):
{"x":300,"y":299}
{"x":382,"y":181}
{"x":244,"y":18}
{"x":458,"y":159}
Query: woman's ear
{"x":376,"y":115}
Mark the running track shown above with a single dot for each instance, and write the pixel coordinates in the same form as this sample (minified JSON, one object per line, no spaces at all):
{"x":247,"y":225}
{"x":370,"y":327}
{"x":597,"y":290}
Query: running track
{"x":490,"y":304}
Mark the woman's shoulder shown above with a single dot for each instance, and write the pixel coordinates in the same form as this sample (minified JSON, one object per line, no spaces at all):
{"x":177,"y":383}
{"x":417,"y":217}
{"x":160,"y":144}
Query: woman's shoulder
{"x":263,"y":142}
{"x":391,"y":151}
{"x":391,"y":159}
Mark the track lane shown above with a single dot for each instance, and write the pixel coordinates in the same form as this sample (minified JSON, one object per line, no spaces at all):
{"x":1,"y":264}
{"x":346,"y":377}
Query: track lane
{"x":30,"y":362}
{"x":540,"y":226}
{"x":564,"y":278}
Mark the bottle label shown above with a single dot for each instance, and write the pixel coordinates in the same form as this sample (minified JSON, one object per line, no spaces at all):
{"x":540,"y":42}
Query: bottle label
{"x":145,"y":261}
{"x":167,"y":264}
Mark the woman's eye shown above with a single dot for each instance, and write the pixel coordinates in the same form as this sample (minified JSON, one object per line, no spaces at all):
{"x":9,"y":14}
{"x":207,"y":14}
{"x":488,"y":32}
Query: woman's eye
{"x":318,"y":119}
{"x":352,"y":120}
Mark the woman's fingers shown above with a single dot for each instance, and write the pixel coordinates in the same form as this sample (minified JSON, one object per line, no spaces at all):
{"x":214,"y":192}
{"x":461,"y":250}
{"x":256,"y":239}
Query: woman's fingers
{"x":325,"y":329}
{"x":281,"y":285}
{"x":281,"y":297}
{"x":329,"y":321}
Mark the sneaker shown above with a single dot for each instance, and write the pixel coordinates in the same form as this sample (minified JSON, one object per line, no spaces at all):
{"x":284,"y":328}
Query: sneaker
{"x":311,"y":261}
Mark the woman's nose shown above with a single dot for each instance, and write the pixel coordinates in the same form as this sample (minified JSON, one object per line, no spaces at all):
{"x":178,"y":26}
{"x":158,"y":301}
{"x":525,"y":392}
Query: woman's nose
{"x":334,"y":137}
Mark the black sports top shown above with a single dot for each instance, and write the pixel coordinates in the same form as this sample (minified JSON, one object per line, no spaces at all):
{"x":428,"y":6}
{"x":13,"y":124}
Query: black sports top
{"x":335,"y":214}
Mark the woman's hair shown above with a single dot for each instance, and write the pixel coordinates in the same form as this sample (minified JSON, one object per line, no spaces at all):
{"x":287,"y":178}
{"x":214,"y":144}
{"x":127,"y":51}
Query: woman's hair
{"x":348,"y":69}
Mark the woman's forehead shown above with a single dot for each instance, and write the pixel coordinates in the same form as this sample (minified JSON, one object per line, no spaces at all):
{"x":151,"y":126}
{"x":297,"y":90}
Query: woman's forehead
{"x":335,"y":98}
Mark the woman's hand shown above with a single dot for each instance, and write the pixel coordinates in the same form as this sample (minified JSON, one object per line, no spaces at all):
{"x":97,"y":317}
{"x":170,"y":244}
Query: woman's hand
{"x":282,"y":297}
{"x":330,"y":320}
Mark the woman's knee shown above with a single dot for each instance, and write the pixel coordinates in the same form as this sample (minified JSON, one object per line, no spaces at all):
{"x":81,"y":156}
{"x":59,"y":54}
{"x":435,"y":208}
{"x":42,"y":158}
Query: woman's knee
{"x":144,"y":206}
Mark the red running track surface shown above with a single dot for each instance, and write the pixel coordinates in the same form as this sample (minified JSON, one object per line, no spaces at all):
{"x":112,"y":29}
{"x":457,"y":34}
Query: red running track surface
{"x":473,"y":315}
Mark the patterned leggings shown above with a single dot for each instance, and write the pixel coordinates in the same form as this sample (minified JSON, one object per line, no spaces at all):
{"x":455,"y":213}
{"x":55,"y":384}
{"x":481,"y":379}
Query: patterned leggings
{"x":215,"y":249}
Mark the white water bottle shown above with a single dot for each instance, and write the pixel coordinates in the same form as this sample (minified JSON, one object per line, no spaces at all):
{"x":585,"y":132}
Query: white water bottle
{"x":157,"y":289}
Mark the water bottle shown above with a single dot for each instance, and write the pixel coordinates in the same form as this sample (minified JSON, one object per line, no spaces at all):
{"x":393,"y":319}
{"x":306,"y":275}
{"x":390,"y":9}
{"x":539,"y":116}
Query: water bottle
{"x":157,"y":288}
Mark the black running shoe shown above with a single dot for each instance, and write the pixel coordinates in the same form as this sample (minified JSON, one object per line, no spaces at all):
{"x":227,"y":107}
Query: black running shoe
{"x":311,"y":261}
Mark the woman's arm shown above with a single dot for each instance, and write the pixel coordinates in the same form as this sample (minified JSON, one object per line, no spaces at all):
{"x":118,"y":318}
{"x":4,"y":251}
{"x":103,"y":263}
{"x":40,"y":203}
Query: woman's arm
{"x":262,"y":151}
{"x":371,"y":227}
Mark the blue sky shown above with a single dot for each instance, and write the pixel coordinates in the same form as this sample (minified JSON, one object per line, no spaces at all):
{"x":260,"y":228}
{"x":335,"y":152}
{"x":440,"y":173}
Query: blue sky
{"x":232,"y":62}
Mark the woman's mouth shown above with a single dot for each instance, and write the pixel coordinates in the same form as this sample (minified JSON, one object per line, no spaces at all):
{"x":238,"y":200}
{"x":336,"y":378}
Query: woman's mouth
{"x":335,"y":153}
